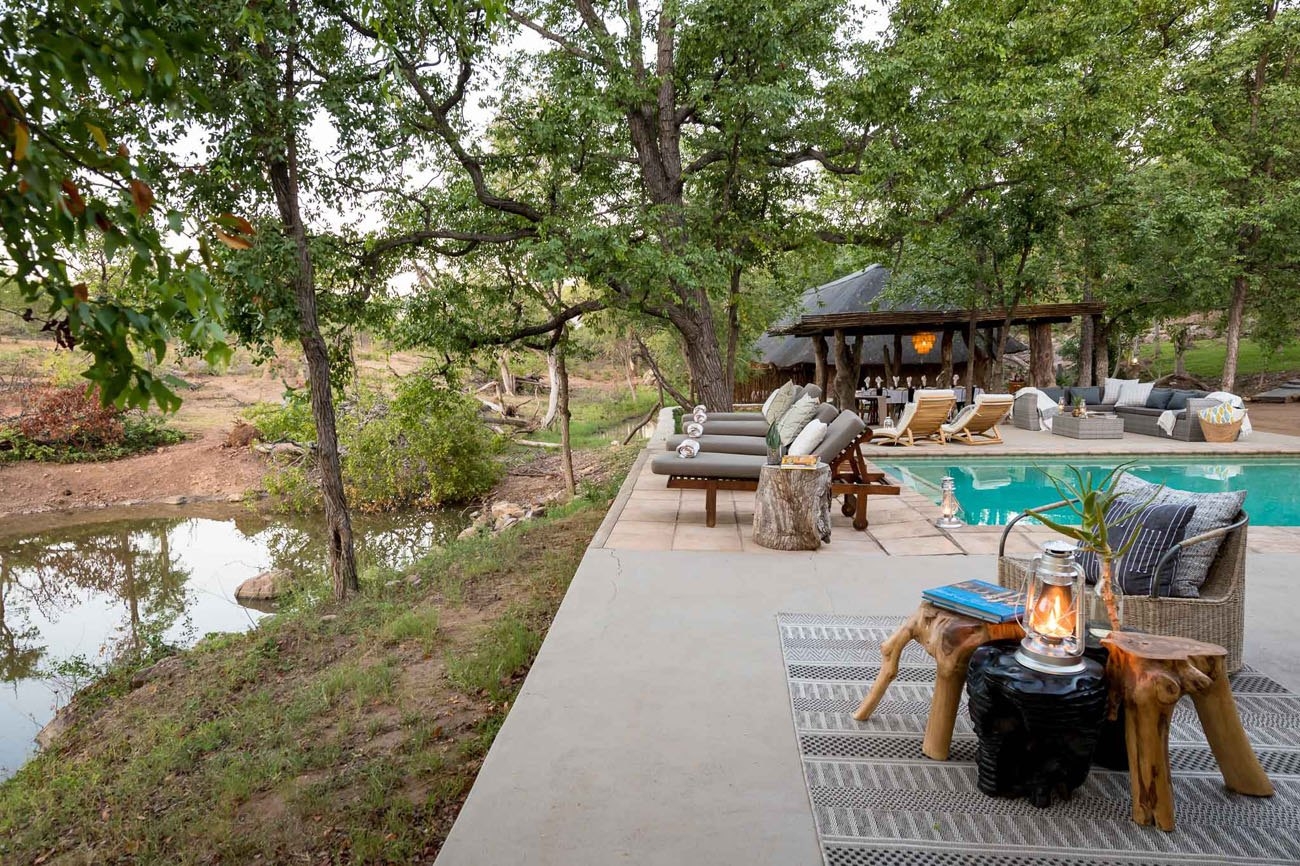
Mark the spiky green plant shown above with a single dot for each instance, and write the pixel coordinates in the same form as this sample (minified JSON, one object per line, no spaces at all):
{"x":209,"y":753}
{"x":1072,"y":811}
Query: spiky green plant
{"x":1090,"y":500}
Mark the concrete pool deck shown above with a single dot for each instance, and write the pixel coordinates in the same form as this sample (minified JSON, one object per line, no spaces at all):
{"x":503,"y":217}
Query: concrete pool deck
{"x":655,"y":726}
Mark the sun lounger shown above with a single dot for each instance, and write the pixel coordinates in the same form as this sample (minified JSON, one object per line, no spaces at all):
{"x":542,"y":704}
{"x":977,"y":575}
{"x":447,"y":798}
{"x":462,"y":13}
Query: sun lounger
{"x":981,"y":418}
{"x":841,"y":449}
{"x":754,"y":443}
{"x":922,"y":419}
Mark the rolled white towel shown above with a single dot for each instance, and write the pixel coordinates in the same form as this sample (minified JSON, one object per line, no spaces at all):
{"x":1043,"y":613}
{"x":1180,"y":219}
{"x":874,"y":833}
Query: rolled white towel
{"x":699,"y":413}
{"x":694,"y":429}
{"x":688,"y":449}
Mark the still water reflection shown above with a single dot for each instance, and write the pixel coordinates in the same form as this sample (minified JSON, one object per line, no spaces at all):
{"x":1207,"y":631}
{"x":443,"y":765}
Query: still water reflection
{"x":76,"y":595}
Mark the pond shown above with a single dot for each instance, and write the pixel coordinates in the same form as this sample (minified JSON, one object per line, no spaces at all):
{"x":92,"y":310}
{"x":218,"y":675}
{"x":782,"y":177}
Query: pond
{"x":80,"y":589}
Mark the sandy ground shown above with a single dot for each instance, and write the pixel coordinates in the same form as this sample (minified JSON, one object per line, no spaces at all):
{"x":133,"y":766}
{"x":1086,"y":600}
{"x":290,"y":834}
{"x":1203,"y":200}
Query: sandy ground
{"x":1275,"y":417}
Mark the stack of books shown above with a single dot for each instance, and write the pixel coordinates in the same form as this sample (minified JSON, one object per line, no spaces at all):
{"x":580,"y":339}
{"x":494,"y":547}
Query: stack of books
{"x":799,"y":461}
{"x":978,"y":598}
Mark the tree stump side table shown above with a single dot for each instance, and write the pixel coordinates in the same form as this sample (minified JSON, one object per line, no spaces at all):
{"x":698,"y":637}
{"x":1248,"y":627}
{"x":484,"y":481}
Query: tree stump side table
{"x":949,"y":638}
{"x":1036,"y":730}
{"x":792,"y":508}
{"x":1150,"y":673}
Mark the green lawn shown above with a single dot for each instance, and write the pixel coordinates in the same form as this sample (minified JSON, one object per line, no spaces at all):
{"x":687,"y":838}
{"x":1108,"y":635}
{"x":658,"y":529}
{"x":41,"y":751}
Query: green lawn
{"x":1205,"y":359}
{"x":597,"y":417}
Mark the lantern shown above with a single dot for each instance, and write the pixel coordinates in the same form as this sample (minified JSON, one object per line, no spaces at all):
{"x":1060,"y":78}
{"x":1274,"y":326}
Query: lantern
{"x":948,"y":505}
{"x":923,"y":342}
{"x":1054,"y":619}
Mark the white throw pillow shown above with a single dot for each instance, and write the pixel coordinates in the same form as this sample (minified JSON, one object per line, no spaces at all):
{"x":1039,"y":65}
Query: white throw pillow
{"x":1134,"y":393}
{"x":809,"y":438}
{"x":1111,"y":394}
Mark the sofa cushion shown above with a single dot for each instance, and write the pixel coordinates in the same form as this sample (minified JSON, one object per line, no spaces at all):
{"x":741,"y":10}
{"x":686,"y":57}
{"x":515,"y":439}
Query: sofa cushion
{"x":797,"y":418}
{"x":1090,"y":395}
{"x":1111,"y":394}
{"x":780,"y":402}
{"x":709,"y":465}
{"x":812,"y":391}
{"x":1157,"y":527}
{"x":1213,"y":511}
{"x":1134,"y":394}
{"x":1178,"y":400}
{"x":839,"y":434}
{"x":1055,"y":393}
{"x":1159,"y":398}
{"x":1144,"y":411}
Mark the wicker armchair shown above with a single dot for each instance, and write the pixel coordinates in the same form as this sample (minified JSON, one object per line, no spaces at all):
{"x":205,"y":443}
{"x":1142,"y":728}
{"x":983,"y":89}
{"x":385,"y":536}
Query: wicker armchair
{"x":1218,"y":616}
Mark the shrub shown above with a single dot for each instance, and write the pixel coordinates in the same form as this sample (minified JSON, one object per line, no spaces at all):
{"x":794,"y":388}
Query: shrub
{"x":70,"y":415}
{"x":289,"y":421}
{"x":425,"y":447}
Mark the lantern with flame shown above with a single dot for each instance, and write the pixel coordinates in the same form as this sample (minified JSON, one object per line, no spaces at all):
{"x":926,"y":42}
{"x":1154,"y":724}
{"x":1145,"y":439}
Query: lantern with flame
{"x":923,"y":342}
{"x":1054,"y":619}
{"x":948,"y":505}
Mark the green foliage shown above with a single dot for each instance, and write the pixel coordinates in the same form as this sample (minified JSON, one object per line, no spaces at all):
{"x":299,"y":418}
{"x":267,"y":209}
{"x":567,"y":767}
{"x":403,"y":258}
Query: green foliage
{"x":424,"y":447}
{"x":290,"y":421}
{"x":1090,"y":498}
{"x":140,"y":432}
{"x":1204,"y":359}
{"x":82,"y":83}
{"x":490,"y":667}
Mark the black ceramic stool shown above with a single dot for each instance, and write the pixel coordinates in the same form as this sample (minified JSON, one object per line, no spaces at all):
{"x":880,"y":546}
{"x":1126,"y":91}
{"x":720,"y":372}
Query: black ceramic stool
{"x":1036,"y":731}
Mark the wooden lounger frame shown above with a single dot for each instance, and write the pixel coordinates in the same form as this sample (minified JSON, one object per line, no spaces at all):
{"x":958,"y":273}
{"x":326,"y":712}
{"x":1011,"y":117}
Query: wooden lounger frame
{"x":849,"y":477}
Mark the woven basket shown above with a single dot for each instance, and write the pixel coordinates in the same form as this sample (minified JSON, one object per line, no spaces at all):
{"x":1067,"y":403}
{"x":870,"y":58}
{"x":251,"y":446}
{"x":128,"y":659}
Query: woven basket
{"x":1221,"y":432}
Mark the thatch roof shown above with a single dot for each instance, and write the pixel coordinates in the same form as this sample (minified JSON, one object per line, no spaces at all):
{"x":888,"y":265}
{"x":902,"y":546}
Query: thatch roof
{"x":855,"y":293}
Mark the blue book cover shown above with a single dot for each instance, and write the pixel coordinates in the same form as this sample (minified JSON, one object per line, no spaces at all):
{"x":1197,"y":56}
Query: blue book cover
{"x":978,"y":598}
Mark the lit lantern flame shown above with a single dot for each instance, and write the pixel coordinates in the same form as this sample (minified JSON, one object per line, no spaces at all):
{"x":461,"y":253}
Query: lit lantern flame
{"x":1053,"y":615}
{"x":923,"y":342}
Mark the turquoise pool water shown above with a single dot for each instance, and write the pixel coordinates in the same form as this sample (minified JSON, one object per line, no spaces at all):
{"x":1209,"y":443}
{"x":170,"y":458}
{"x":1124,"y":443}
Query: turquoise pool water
{"x":993,"y":490}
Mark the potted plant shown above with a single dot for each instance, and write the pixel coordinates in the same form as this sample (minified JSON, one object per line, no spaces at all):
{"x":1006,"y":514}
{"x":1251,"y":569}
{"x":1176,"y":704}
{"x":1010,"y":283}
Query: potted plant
{"x":1090,"y":499}
{"x":1080,"y":408}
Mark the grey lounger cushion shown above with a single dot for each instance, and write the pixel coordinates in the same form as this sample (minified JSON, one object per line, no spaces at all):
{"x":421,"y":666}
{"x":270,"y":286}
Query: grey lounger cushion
{"x":826,"y":413}
{"x":839,"y":434}
{"x":725,"y":444}
{"x":735,"y":416}
{"x":706,"y":465}
{"x":757,"y":427}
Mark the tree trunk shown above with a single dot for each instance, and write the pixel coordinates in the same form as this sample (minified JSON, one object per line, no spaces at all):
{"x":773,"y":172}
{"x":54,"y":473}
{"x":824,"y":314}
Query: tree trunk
{"x":898,"y":355}
{"x":342,"y":555}
{"x":1087,"y":324}
{"x":1182,"y":342}
{"x":1101,"y":350}
{"x":708,"y":380}
{"x":1042,"y":359}
{"x":970,"y":355}
{"x":843,"y":372}
{"x":733,"y":328}
{"x":1236,"y":312}
{"x":553,"y":385}
{"x":821,"y":372}
{"x":856,"y":361}
{"x":630,"y":370}
{"x":945,"y":358}
{"x":566,"y":446}
{"x":507,"y":378}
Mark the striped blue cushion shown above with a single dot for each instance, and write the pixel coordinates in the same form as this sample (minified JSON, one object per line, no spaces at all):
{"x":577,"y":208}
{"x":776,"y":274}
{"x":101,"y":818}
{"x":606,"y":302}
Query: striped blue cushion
{"x":1158,"y":528}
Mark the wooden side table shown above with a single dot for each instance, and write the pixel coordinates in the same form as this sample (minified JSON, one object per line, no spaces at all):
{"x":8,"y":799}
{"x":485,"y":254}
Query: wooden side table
{"x":792,"y":508}
{"x":949,"y":638}
{"x":1149,"y":673}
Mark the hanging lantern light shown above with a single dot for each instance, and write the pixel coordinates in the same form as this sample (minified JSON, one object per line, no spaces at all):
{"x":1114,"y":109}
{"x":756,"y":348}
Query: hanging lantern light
{"x":948,"y":505}
{"x":923,"y":342}
{"x":1054,"y":619}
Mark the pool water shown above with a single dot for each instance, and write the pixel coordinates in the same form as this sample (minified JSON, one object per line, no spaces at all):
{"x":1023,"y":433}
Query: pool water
{"x":992,"y":491}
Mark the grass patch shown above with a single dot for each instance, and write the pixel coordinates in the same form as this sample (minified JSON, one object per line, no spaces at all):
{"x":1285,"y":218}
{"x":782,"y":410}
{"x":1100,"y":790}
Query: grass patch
{"x":324,"y":740}
{"x":1204,"y":359}
{"x":599,"y":417}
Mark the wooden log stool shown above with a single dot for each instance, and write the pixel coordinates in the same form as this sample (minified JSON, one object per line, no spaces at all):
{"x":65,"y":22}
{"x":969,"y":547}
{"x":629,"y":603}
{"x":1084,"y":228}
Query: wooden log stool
{"x":949,"y":638}
{"x":792,"y":508}
{"x":1149,"y":674}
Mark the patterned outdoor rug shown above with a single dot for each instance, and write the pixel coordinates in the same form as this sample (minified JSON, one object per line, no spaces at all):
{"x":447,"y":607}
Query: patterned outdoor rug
{"x":878,"y":801}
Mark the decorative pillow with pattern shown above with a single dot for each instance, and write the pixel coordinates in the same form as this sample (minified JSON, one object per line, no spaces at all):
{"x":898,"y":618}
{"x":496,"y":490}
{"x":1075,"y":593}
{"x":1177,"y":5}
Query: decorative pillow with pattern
{"x":1213,"y":511}
{"x":779,"y":403}
{"x":1134,"y":393}
{"x":1111,"y":394}
{"x":1158,"y":528}
{"x":797,"y":418}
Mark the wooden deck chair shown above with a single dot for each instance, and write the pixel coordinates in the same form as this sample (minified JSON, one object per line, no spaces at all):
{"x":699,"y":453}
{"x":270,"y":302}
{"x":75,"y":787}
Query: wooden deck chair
{"x":981,"y":418}
{"x":922,"y":419}
{"x":841,"y":450}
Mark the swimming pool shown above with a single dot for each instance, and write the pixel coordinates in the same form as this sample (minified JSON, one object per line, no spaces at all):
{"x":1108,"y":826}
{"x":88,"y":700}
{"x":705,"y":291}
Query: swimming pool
{"x":993,"y":490}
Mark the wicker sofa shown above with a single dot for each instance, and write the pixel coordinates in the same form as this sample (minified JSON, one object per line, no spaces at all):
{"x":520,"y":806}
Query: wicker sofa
{"x":1218,"y":616}
{"x":1137,"y":419}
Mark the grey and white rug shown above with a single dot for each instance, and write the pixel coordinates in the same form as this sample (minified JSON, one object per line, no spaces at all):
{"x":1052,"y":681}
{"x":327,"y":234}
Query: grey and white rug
{"x":878,"y":801}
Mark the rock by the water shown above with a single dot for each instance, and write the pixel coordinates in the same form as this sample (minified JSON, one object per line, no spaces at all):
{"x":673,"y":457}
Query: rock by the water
{"x":160,"y":668}
{"x":267,"y":586}
{"x":54,"y":729}
{"x":502,"y":510}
